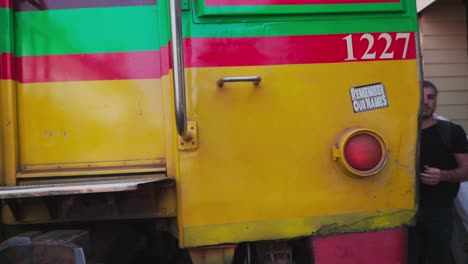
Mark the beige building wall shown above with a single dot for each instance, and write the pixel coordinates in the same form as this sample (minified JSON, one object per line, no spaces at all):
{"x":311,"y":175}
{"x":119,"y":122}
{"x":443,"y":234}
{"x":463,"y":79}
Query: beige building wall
{"x":445,"y":56}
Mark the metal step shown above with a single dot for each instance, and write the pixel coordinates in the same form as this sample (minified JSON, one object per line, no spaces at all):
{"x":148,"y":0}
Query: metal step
{"x":82,"y":187}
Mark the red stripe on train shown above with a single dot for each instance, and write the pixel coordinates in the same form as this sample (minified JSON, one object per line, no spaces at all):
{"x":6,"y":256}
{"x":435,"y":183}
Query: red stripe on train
{"x":5,"y":4}
{"x":86,"y":67}
{"x":218,"y":52}
{"x":291,"y":2}
{"x":6,"y":66}
{"x":252,"y":51}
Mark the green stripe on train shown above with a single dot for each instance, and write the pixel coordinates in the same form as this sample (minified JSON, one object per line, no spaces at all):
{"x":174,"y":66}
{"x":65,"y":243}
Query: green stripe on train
{"x":87,"y":30}
{"x":126,"y":29}
{"x":5,"y":29}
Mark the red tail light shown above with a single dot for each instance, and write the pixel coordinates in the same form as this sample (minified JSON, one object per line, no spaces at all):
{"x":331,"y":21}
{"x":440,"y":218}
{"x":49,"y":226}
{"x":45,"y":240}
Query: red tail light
{"x":362,"y":152}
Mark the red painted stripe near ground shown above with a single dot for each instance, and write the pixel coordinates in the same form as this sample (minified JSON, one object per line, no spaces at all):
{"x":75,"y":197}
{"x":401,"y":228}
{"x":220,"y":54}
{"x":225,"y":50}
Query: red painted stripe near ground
{"x":68,"y":4}
{"x":6,"y":66}
{"x":86,"y":67}
{"x":214,"y":52}
{"x":291,"y":2}
{"x":383,"y":247}
{"x":5,"y":4}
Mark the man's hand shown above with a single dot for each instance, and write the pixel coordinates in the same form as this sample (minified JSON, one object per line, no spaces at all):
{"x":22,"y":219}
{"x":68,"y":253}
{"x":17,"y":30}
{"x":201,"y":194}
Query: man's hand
{"x":431,"y":176}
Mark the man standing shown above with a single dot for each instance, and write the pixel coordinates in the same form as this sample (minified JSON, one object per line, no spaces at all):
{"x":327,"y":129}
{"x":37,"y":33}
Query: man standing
{"x":443,"y":165}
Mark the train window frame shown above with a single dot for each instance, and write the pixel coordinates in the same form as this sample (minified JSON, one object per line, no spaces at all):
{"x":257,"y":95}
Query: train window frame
{"x":204,"y":13}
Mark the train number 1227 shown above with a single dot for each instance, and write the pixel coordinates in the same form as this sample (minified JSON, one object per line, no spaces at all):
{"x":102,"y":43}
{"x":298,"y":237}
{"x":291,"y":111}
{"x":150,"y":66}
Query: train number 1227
{"x":377,"y":46}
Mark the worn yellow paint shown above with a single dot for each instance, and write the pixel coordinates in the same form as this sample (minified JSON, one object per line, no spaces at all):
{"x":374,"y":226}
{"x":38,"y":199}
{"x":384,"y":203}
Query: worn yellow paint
{"x":9,"y":132}
{"x":265,"y":153}
{"x":172,"y":146}
{"x":90,"y":124}
{"x":270,"y":229}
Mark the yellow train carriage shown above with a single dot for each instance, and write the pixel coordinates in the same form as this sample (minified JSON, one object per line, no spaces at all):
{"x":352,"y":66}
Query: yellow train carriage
{"x":214,"y":123}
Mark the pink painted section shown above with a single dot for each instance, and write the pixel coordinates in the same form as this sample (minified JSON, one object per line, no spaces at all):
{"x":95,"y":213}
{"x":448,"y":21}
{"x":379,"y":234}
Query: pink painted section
{"x":5,"y":4}
{"x":88,"y":67}
{"x":166,"y":63}
{"x":6,"y":66}
{"x":291,"y":2}
{"x":383,"y":247}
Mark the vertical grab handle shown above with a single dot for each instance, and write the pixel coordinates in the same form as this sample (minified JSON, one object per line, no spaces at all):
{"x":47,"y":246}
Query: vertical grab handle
{"x":178,"y":74}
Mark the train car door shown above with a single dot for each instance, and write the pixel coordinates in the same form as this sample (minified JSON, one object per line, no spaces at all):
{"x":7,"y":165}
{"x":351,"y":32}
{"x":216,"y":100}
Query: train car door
{"x":272,"y":87}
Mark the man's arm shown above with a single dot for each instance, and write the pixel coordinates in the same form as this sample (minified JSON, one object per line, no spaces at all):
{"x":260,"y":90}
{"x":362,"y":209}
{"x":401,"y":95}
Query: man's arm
{"x":459,"y":174}
{"x":432,"y":176}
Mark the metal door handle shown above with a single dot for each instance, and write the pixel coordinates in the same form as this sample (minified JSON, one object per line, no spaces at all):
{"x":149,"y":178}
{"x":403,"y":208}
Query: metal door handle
{"x":255,"y":79}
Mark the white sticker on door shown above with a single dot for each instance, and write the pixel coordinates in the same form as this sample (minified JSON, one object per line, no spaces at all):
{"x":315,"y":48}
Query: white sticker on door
{"x":368,"y":97}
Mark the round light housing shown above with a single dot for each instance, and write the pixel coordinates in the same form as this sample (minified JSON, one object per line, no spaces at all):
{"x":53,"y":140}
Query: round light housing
{"x":361,"y":152}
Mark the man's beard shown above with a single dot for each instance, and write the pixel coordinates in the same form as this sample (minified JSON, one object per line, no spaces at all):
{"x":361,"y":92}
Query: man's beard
{"x":427,"y":112}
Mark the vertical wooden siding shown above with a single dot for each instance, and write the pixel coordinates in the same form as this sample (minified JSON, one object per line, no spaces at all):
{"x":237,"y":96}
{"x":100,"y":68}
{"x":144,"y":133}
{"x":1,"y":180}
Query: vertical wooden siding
{"x":445,"y":56}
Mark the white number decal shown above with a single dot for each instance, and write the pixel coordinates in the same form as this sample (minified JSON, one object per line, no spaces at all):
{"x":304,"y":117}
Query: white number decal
{"x":370,"y":44}
{"x":388,"y":41}
{"x":406,"y":37}
{"x":349,"y":46}
{"x":386,"y":53}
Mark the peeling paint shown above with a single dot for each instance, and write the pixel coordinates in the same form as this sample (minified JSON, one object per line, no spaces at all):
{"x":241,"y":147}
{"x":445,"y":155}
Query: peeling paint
{"x":373,"y":223}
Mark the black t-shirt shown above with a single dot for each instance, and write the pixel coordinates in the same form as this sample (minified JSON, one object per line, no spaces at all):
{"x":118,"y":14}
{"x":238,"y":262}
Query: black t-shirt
{"x":434,"y":153}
